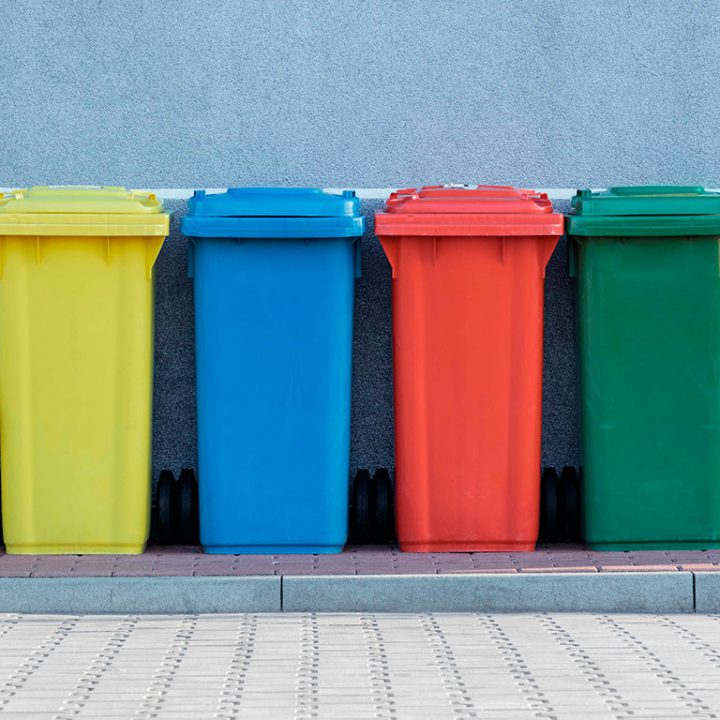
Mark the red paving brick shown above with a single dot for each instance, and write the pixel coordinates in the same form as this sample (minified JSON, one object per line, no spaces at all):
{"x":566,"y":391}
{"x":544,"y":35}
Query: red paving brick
{"x":699,"y":567}
{"x":563,"y":569}
{"x":374,"y":560}
{"x":638,"y":568}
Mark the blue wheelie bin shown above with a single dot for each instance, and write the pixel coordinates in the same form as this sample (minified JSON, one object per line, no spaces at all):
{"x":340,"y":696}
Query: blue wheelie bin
{"x":274,"y":273}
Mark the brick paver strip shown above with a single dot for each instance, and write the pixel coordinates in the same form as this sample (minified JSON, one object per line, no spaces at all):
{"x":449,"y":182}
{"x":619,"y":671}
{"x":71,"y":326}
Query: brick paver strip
{"x":187,"y":561}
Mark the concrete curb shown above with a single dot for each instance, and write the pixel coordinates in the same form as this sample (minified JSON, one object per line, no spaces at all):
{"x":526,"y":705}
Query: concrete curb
{"x":151,"y":595}
{"x":707,"y":592}
{"x":637,"y":592}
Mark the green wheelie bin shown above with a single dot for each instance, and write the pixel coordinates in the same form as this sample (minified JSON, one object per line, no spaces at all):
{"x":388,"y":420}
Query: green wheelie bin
{"x":647,"y":262}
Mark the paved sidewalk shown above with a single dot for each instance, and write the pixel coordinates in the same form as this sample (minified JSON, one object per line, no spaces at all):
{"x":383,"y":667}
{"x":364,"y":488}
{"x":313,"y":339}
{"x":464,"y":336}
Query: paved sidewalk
{"x":396,"y":667}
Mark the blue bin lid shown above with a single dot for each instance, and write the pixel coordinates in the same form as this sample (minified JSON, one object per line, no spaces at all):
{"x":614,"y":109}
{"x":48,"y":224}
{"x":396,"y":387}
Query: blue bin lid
{"x":274,"y":213}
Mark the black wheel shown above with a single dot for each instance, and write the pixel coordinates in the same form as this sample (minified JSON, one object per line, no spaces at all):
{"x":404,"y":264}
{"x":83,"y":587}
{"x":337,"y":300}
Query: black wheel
{"x":360,"y":520}
{"x":383,"y":509}
{"x":165,"y":508}
{"x":569,"y":505}
{"x":187,"y":533}
{"x":581,"y":506}
{"x":549,"y":506}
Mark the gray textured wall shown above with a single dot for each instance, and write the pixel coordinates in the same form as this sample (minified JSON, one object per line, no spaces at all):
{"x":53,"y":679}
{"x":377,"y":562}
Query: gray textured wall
{"x":548,"y":93}
{"x":178,"y":93}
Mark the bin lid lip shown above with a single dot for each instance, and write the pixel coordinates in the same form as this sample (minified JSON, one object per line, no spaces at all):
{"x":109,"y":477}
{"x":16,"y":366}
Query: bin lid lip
{"x":272,"y":228}
{"x":647,"y":200}
{"x":274,"y":202}
{"x":76,"y":199}
{"x":476,"y":199}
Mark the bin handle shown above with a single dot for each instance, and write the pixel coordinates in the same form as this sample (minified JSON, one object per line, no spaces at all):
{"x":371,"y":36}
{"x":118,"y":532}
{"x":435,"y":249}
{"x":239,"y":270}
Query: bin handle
{"x":658,"y":190}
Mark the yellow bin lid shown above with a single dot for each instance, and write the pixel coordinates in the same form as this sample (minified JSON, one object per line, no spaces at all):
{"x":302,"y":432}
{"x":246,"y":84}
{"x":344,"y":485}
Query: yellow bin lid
{"x":88,"y":211}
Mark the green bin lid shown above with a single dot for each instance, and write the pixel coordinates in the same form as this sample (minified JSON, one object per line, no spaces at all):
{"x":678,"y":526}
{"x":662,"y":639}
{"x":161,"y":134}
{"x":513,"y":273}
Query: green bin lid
{"x":646,"y":210}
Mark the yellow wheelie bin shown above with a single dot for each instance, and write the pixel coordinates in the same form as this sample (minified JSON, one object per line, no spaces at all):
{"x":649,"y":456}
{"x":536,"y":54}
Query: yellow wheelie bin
{"x":76,"y":358}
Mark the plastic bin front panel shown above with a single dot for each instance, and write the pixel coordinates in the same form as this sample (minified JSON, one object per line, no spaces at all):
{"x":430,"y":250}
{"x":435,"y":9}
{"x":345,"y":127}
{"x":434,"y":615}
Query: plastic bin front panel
{"x":274,"y":321}
{"x":76,"y":336}
{"x":650,"y":357}
{"x":468,"y":376}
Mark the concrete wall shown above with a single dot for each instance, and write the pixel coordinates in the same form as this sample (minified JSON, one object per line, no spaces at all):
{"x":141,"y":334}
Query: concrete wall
{"x":545,"y":93}
{"x":551,"y":93}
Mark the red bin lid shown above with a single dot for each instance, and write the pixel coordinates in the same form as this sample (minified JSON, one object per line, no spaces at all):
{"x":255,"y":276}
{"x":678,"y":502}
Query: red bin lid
{"x":468,"y":210}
